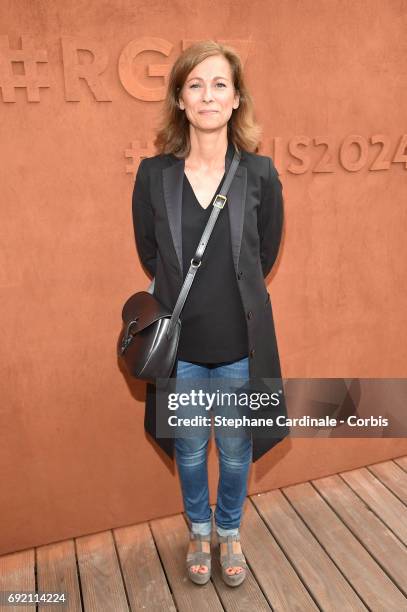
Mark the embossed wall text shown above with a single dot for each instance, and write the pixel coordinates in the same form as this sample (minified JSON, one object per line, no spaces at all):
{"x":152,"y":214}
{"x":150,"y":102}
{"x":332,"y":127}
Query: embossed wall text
{"x":92,"y":72}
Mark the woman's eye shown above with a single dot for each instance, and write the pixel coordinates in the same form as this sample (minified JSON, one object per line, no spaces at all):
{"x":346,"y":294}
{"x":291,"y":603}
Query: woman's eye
{"x":198,"y":85}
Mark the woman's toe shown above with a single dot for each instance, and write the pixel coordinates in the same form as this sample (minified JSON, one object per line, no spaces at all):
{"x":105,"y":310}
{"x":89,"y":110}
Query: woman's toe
{"x":234,"y":570}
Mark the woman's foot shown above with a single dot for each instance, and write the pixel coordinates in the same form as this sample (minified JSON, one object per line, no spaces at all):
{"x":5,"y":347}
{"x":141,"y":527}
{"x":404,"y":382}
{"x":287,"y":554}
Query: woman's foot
{"x":233,"y":561}
{"x":236,"y":548}
{"x":193,"y":548}
{"x":199,"y":558}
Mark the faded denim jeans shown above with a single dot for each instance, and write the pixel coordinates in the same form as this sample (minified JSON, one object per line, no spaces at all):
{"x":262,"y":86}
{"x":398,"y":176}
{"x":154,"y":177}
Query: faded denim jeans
{"x":235,"y":458}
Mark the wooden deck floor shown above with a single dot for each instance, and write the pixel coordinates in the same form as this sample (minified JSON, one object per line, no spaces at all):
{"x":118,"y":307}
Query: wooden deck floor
{"x":336,"y":543}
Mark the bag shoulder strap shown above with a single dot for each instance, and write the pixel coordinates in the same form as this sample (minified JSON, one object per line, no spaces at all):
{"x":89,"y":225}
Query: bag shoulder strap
{"x":218,"y":203}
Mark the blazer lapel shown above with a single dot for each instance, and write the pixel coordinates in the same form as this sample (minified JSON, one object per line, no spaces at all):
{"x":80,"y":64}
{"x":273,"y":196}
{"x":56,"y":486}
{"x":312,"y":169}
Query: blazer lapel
{"x":173,"y":177}
{"x":236,"y":204}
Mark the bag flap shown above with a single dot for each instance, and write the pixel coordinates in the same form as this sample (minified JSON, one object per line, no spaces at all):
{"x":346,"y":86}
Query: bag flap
{"x":144,"y":307}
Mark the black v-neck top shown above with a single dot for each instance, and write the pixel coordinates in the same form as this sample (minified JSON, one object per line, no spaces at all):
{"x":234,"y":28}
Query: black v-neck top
{"x":213,"y":326}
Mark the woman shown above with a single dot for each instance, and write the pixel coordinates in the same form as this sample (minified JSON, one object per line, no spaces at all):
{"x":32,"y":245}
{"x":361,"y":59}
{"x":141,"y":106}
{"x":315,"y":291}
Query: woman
{"x":227,"y":323}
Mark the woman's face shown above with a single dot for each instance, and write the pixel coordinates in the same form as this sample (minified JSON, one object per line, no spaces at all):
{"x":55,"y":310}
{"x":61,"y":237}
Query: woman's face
{"x":208,"y":95}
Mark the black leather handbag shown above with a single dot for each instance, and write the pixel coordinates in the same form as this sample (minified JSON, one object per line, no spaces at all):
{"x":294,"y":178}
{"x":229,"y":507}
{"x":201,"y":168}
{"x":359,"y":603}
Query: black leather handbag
{"x":148,"y":342}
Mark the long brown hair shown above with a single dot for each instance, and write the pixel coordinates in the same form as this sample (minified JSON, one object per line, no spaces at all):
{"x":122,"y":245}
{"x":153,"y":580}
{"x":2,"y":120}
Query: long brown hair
{"x":173,"y":133}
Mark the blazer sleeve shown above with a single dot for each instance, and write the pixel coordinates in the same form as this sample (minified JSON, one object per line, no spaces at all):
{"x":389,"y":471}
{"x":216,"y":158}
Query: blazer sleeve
{"x":270,"y":219}
{"x":143,"y":220}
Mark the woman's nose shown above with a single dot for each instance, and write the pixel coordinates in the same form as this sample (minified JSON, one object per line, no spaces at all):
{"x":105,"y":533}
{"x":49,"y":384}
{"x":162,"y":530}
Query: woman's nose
{"x":207,"y":94}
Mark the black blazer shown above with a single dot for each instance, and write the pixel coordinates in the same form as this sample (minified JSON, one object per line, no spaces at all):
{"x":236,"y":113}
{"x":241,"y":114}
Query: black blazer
{"x":255,"y":202}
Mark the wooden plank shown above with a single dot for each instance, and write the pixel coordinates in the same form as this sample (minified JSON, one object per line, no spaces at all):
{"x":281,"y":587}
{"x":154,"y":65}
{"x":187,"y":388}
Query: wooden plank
{"x":275,"y":575}
{"x":401,"y":462}
{"x":388,"y":551}
{"x":17,"y":573}
{"x":145,"y":581}
{"x":171,"y":538}
{"x":247,"y":596}
{"x":101,"y":581}
{"x":317,"y":570}
{"x":382,"y":501}
{"x":372,"y":585}
{"x":391,"y":475}
{"x":57,"y":573}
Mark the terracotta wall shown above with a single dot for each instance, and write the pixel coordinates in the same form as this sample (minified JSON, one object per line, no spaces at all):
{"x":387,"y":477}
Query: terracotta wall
{"x":81,"y":87}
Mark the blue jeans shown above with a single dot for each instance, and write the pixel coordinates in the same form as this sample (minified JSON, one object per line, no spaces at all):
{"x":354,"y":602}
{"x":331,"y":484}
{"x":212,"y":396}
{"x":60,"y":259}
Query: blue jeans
{"x":235,"y":457}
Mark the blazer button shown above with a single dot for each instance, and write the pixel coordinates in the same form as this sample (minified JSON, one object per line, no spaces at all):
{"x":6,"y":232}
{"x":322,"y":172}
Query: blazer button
{"x":240,"y":275}
{"x":249,"y":314}
{"x":251,"y":354}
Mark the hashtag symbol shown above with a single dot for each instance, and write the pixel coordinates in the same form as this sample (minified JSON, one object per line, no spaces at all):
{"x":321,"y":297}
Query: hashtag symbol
{"x":28,"y":56}
{"x":136,"y":152}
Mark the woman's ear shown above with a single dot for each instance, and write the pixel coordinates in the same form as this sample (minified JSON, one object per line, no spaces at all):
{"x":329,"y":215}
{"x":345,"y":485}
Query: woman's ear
{"x":236,"y":101}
